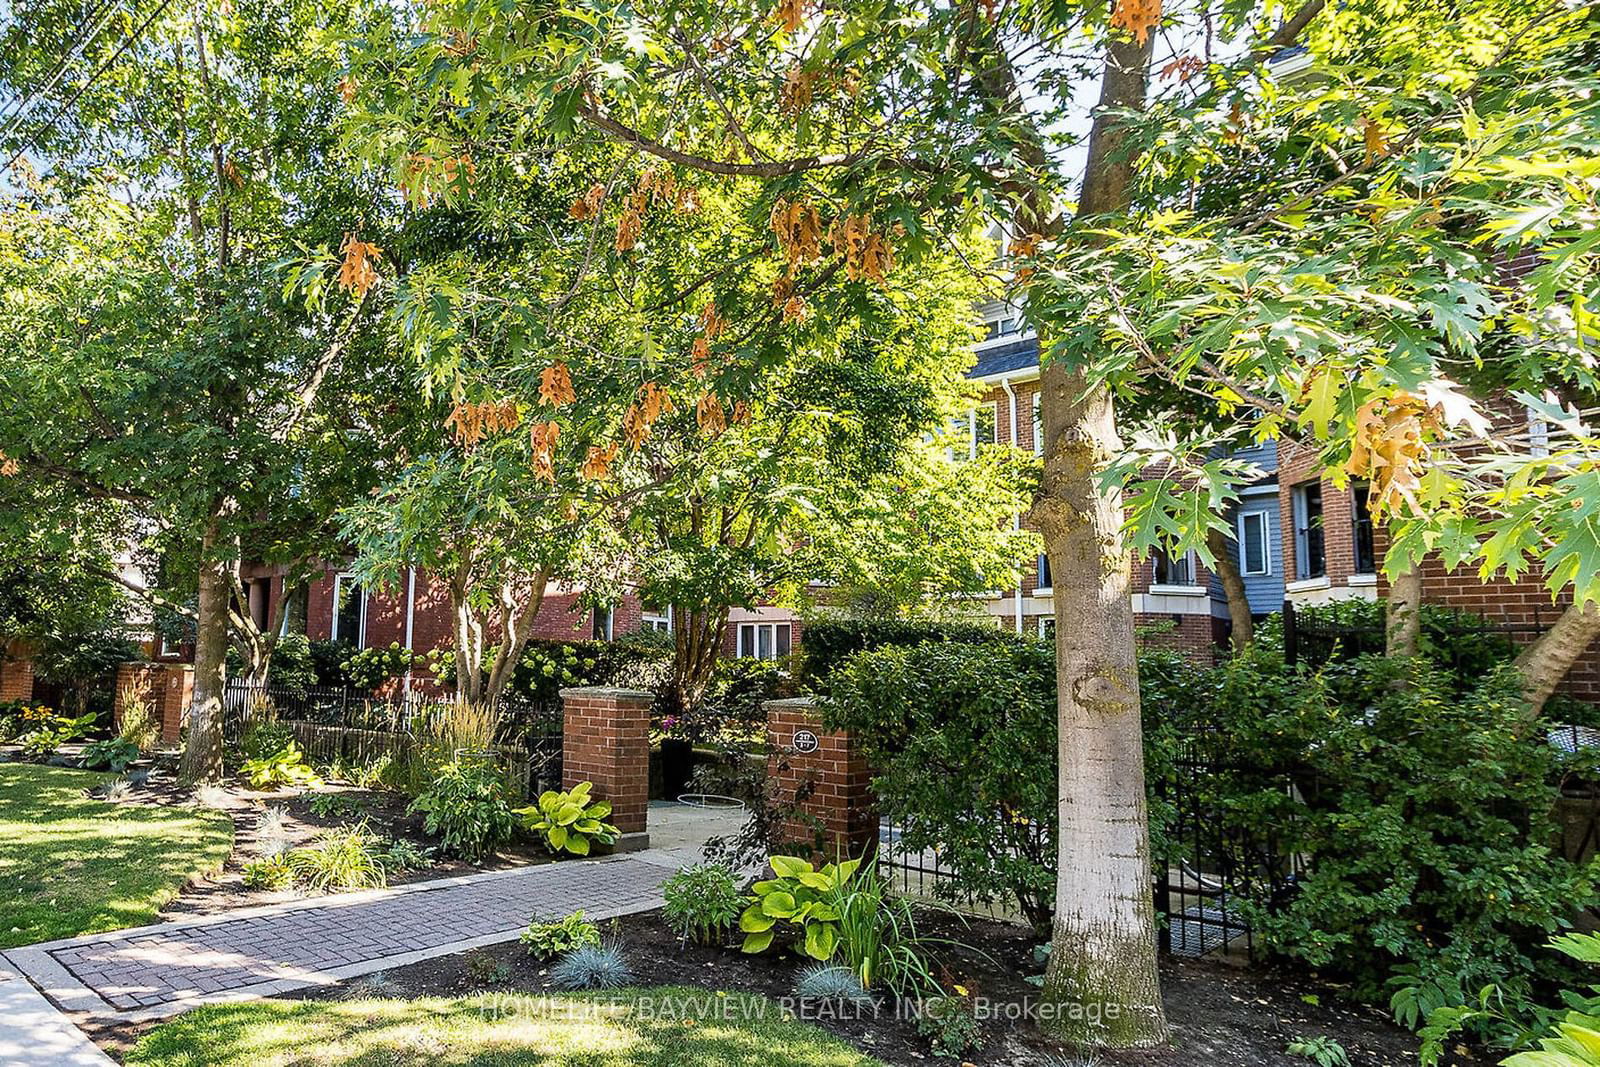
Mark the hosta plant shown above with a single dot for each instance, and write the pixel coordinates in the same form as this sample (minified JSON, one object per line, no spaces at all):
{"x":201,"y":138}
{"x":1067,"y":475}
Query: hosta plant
{"x":114,"y":753}
{"x":799,"y":901}
{"x":570,"y":821}
{"x":287,"y":766}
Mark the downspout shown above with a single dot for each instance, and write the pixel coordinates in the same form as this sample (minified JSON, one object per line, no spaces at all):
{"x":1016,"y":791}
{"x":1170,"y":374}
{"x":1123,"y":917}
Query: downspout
{"x":1016,"y":520}
{"x":411,"y":605}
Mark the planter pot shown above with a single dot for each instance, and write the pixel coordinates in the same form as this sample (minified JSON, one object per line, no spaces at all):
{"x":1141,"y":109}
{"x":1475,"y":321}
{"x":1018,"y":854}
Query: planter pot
{"x":677,"y":764}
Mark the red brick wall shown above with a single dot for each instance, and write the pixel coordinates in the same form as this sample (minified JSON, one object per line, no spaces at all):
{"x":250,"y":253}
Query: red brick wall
{"x":16,"y":675}
{"x":1196,"y":636}
{"x":606,"y":741}
{"x":834,"y":780}
{"x":167,"y":687}
{"x":1298,"y":465}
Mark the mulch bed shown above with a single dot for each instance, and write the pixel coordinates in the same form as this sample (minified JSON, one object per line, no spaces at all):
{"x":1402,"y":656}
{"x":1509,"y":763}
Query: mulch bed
{"x":1221,"y":1016}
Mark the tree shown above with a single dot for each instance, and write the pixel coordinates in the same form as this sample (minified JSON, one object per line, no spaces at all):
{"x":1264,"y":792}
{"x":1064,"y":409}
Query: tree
{"x":157,"y":364}
{"x":1326,"y":252}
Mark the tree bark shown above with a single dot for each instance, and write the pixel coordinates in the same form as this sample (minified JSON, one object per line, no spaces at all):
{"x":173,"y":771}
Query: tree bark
{"x":1233,"y":588}
{"x":202,"y":753}
{"x":697,"y":641}
{"x":1545,"y":663}
{"x":516,"y":619}
{"x":1102,"y":986}
{"x":1402,"y":633}
{"x":1102,"y":982}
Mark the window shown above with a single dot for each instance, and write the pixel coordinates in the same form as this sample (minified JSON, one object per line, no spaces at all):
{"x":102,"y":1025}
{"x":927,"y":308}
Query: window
{"x":1038,"y":428}
{"x":658,"y":618}
{"x":1361,"y":532}
{"x":1044,"y":581}
{"x":349,"y":611}
{"x":1047,"y":627}
{"x":1173,"y":570}
{"x":984,"y":419}
{"x":168,"y":647}
{"x":763,"y":640}
{"x":1005,"y":326}
{"x":604,"y":624}
{"x":1310,"y":560}
{"x":1255,"y":550}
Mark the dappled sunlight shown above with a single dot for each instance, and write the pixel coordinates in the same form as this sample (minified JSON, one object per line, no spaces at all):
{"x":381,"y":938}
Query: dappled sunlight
{"x":650,"y":1028}
{"x":72,"y":864}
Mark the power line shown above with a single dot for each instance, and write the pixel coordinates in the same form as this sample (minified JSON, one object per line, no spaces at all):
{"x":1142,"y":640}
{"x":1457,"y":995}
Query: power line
{"x":13,"y":118}
{"x":50,"y":124}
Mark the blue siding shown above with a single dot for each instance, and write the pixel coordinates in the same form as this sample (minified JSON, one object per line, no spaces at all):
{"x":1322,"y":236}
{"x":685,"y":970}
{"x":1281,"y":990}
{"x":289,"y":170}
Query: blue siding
{"x":1264,"y":455}
{"x":1264,"y":590}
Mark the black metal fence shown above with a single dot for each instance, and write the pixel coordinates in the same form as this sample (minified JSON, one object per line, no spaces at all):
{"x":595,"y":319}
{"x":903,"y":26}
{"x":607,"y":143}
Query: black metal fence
{"x":1459,"y":640}
{"x":347,"y":724}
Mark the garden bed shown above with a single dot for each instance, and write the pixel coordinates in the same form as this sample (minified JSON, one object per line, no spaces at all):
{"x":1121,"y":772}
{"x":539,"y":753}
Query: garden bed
{"x":1221,"y":1016}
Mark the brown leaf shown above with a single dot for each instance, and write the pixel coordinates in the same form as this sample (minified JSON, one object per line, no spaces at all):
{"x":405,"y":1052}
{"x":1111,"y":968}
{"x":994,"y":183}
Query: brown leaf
{"x":555,"y":386}
{"x":597,"y":464}
{"x":708,"y":413}
{"x":358,"y":272}
{"x":542,"y":438}
{"x":628,"y":228}
{"x":1138,"y":17}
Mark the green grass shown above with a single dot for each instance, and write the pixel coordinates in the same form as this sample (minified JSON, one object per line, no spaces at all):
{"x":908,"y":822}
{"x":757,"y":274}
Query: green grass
{"x":587,"y":1029}
{"x":71,"y":864}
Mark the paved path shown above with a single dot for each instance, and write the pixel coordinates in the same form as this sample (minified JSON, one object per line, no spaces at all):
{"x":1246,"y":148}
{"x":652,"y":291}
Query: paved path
{"x":34,"y":1034}
{"x":156,"y":971}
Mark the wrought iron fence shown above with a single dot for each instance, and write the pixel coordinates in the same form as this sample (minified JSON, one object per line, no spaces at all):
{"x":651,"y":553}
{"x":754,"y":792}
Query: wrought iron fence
{"x":339,"y":723}
{"x":1469,"y":639}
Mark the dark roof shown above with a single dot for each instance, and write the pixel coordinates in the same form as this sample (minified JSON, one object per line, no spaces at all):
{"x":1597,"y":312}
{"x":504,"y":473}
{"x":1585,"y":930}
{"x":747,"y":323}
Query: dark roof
{"x":1018,"y":355}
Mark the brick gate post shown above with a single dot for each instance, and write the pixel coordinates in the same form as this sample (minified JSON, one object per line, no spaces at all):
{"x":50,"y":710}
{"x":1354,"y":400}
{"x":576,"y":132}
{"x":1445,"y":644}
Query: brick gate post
{"x":825,"y":776}
{"x":605,"y":739}
{"x":16,"y":671}
{"x":166,"y":687}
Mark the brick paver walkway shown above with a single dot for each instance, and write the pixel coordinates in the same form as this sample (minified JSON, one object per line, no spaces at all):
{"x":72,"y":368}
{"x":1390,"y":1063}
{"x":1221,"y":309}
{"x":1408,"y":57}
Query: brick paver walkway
{"x":155,"y":971}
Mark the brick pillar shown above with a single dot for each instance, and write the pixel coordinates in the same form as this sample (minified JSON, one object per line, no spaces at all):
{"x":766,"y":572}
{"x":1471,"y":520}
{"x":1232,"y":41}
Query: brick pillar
{"x":828,"y":774}
{"x":606,"y":741}
{"x":16,"y":672}
{"x":166,"y":687}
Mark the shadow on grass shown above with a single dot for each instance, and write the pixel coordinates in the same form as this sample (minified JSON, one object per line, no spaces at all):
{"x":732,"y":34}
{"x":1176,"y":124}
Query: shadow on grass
{"x":662,"y":1027}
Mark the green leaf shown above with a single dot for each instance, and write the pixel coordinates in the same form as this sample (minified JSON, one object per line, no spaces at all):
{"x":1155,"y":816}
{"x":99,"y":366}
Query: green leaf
{"x":753,"y":920}
{"x":821,"y":941}
{"x":789,"y":866}
{"x":757,"y":942}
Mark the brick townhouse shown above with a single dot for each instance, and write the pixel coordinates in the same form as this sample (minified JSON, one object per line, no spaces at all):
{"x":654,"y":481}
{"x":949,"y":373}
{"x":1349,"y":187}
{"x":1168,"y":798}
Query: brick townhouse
{"x":1176,"y":601}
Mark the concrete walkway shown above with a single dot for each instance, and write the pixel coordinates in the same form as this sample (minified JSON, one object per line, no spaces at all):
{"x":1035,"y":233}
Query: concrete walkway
{"x":34,"y":1034}
{"x":156,"y":971}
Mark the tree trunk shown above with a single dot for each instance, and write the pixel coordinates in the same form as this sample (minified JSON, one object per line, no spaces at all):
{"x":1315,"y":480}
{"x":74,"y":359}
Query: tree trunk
{"x":1233,"y":588}
{"x":1402,"y":628}
{"x":1102,"y":976}
{"x":1545,"y":663}
{"x":696,"y":641}
{"x":202,"y":754}
{"x":516,"y":619}
{"x":1102,"y":986}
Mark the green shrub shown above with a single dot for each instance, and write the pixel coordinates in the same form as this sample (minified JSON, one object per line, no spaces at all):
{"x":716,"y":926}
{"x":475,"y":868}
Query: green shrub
{"x":950,"y":1025}
{"x":369,"y":668}
{"x":800,"y":898}
{"x":701,"y":903}
{"x":466,"y":807}
{"x":569,"y":821}
{"x":830,"y":643}
{"x":272,"y":873}
{"x":44,"y":731}
{"x":402,"y":855}
{"x":292,"y":665}
{"x":963,"y":737}
{"x":544,"y":940}
{"x":287,"y":766}
{"x":137,"y":723}
{"x":335,"y":805}
{"x":264,"y":737}
{"x":342,"y":859}
{"x":829,"y":981}
{"x":878,"y":938}
{"x":1321,"y":1050}
{"x":327,"y":662}
{"x":1426,"y":817}
{"x":114,"y":753}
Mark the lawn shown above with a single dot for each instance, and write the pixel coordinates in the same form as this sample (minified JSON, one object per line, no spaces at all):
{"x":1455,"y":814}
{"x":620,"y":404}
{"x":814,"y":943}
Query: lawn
{"x":661,"y":1027}
{"x":71,"y":864}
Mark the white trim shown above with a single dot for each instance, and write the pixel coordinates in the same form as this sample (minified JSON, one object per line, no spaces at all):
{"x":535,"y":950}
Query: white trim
{"x":1259,"y":490}
{"x":361,"y":619}
{"x":1266,"y":543}
{"x":1307,"y":585}
{"x":1019,"y":374}
{"x":1362,"y":580}
{"x":751,"y":649}
{"x":1172,"y":600}
{"x":1179,"y":590}
{"x":1045,"y":591}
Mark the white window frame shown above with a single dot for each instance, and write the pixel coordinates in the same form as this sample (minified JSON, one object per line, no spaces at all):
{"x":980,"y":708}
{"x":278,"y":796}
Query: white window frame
{"x":1046,"y":626}
{"x":1300,"y":512}
{"x":749,"y":639}
{"x":163,"y":649}
{"x":1038,"y":427}
{"x":361,"y":619}
{"x":1265,"y":519}
{"x":656,"y":620}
